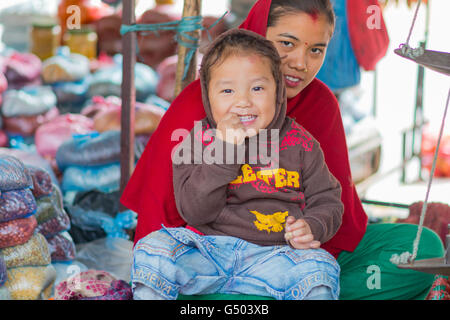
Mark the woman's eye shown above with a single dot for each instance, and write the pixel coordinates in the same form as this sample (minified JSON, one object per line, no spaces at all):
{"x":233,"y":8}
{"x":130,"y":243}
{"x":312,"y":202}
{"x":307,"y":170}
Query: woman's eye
{"x":317,"y":51}
{"x":287,"y":43}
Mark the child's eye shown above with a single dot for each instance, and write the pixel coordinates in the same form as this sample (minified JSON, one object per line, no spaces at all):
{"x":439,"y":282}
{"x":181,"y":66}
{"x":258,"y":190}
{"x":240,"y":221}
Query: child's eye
{"x":259,"y":88}
{"x":227,"y":91}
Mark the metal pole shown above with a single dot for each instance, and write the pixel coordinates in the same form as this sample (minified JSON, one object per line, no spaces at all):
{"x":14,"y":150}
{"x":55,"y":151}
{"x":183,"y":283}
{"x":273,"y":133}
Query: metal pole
{"x":191,"y":8}
{"x":128,"y":96}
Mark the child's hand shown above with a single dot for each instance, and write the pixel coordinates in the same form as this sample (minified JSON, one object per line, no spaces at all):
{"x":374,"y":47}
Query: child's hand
{"x":299,"y":234}
{"x":231,"y":129}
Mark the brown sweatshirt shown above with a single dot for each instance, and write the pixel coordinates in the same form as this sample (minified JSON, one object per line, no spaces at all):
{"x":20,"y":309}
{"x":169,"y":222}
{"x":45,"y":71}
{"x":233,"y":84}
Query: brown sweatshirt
{"x":249,"y":198}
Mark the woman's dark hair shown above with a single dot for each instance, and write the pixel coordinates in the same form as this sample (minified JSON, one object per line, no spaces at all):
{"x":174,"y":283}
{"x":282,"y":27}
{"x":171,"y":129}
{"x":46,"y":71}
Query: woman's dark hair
{"x":240,"y":41}
{"x":279,"y":8}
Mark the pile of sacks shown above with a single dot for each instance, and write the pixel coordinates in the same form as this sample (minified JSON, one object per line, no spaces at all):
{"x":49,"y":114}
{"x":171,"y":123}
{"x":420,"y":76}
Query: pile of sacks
{"x":33,"y":231}
{"x":24,"y":251}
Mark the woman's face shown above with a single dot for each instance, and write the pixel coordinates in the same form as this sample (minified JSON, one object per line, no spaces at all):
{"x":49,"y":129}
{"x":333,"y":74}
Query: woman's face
{"x":301,"y":40}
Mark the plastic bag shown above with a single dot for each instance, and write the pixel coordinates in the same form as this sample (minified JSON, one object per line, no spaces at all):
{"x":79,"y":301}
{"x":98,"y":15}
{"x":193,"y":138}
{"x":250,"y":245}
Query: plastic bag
{"x":31,"y":283}
{"x":51,"y":135}
{"x":107,"y":202}
{"x":4,"y":293}
{"x":65,"y":67}
{"x":62,"y":247}
{"x":48,"y":207}
{"x":57,"y":224}
{"x":3,"y":137}
{"x":340,"y":68}
{"x":108,"y":81}
{"x":428,"y":148}
{"x":118,"y":290}
{"x":147,"y":119}
{"x":155,"y":47}
{"x":114,"y":255}
{"x":73,"y":93}
{"x":3,"y":274}
{"x":158,"y":101}
{"x":15,"y":232}
{"x":13,"y":174}
{"x":31,"y":158}
{"x":27,"y":125}
{"x":113,"y":227}
{"x":90,"y":283}
{"x":28,"y":101}
{"x":105,"y":178}
{"x":34,"y":252}
{"x":42,"y":182}
{"x":94,"y":200}
{"x":67,"y":269}
{"x":22,"y":69}
{"x":16,"y":204}
{"x":89,"y":150}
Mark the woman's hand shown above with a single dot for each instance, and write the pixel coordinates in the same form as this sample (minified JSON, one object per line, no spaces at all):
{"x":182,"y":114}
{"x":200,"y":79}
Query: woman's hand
{"x":299,"y":234}
{"x":231,"y":129}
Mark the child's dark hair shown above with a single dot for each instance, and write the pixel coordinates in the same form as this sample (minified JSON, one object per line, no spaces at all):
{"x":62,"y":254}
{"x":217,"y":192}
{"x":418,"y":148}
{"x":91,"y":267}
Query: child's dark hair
{"x":279,"y":8}
{"x":243,"y":42}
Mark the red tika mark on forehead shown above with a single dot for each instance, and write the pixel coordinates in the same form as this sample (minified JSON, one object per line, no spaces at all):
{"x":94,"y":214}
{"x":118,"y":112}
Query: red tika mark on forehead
{"x":314,"y":15}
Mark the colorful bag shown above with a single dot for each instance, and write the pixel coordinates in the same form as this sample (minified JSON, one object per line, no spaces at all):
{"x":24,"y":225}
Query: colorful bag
{"x":72,"y":94}
{"x":28,"y":101}
{"x":15,"y":232}
{"x":3,"y":274}
{"x":48,"y":207}
{"x":89,"y":150}
{"x":105,"y":178}
{"x":16,"y":204}
{"x":118,"y":290}
{"x":65,"y":67}
{"x":31,"y":283}
{"x":13,"y":174}
{"x":50,"y":136}
{"x":368,"y":33}
{"x":57,"y":224}
{"x":22,"y":69}
{"x":34,"y":252}
{"x":108,"y":81}
{"x":147,"y":119}
{"x":26,"y":126}
{"x":62,"y":247}
{"x":91,"y":283}
{"x":42,"y":182}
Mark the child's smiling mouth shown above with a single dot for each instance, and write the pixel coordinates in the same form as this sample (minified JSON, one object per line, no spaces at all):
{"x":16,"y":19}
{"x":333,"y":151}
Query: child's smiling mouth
{"x":247,"y":119}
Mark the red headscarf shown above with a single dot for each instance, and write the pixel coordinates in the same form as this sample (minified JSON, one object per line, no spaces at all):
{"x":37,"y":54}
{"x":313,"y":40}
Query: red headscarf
{"x":150,"y":190}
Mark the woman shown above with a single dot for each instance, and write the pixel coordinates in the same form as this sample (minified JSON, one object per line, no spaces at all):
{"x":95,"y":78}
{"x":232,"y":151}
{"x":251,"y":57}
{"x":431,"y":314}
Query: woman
{"x":300,"y":31}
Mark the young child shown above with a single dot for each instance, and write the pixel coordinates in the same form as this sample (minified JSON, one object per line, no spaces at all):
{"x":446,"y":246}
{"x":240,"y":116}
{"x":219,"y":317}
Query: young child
{"x":254,"y":226}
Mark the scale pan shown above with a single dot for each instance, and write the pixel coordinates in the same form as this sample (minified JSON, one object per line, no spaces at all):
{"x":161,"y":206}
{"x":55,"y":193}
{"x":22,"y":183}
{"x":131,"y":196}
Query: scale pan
{"x":434,"y":266}
{"x":434,"y":60}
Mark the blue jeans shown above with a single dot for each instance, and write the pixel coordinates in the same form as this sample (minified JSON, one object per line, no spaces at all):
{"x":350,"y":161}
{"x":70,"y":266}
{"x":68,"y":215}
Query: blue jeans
{"x":176,"y":260}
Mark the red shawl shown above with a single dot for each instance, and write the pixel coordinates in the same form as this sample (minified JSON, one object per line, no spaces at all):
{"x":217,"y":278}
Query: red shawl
{"x":150,"y":191}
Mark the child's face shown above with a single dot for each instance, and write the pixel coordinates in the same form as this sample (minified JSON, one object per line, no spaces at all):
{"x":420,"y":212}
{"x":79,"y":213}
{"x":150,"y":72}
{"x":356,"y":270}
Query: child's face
{"x":243,"y":85}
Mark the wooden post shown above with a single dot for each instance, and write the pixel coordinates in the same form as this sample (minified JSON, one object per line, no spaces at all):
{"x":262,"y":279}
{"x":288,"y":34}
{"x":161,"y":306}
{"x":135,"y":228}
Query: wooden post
{"x":191,"y":8}
{"x":128,"y":96}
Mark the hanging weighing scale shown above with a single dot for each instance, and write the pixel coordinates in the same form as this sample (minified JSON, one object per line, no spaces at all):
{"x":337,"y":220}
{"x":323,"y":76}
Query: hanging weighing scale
{"x":439,"y":62}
